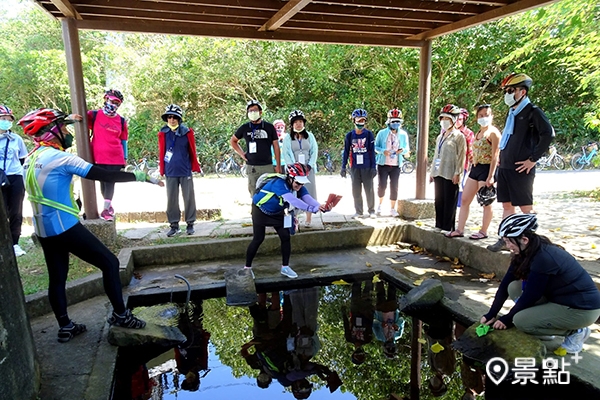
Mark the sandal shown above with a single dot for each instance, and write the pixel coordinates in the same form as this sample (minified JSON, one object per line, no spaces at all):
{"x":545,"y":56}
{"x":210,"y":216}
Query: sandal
{"x":477,"y":236}
{"x":128,"y":320}
{"x":454,"y":234}
{"x":68,"y":332}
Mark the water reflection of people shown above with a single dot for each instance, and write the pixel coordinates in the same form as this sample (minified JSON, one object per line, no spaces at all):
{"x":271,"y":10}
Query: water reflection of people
{"x":192,"y":356}
{"x":388,"y":325}
{"x":442,"y":360}
{"x":358,"y":324}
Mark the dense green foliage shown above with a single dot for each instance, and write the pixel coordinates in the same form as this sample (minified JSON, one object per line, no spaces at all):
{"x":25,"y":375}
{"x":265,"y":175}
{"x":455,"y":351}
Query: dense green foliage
{"x":213,"y":78}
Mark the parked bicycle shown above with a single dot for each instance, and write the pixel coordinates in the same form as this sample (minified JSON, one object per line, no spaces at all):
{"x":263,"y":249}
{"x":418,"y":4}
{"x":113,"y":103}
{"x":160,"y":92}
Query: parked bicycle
{"x":229,"y":166}
{"x":328,"y":164}
{"x":407,"y":167}
{"x":143,"y":165}
{"x":552,"y":159}
{"x":588,"y":152}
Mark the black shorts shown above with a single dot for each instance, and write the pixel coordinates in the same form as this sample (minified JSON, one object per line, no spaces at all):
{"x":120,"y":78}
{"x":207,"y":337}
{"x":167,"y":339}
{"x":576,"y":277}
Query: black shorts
{"x":480,"y":172}
{"x":514,"y":187}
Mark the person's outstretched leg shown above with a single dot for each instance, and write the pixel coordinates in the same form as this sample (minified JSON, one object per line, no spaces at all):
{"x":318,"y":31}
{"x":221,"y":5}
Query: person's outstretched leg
{"x":258,"y":235}
{"x":286,"y":251}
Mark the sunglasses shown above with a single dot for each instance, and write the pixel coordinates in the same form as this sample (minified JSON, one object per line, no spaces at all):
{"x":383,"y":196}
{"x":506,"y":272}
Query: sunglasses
{"x":172,"y":117}
{"x":510,"y":90}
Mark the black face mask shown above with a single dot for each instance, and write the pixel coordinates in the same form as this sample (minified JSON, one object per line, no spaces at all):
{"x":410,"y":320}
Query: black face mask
{"x":67,"y":141}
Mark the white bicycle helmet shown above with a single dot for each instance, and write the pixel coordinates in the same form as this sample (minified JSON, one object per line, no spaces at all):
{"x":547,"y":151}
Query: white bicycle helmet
{"x":515,"y":225}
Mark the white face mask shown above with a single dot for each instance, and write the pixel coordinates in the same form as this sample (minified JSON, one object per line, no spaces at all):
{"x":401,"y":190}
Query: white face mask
{"x":509,"y":99}
{"x":445,"y":124}
{"x":253,"y":115}
{"x":485,"y":121}
{"x":298,"y":130}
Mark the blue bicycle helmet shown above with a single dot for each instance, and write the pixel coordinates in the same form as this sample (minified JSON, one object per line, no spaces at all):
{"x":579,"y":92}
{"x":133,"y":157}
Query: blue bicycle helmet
{"x":359,"y":113}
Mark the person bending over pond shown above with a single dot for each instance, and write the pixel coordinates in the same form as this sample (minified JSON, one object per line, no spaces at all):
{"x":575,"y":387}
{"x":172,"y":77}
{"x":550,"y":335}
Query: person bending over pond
{"x":552,"y":292}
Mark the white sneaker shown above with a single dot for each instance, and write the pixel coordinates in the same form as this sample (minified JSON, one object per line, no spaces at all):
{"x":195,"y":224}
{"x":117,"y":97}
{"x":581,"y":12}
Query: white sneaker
{"x":379,"y":210}
{"x":574,"y":342}
{"x":393,"y":213}
{"x":18,"y":251}
{"x":372,"y":215}
{"x":356,"y":216}
{"x":287,"y":271}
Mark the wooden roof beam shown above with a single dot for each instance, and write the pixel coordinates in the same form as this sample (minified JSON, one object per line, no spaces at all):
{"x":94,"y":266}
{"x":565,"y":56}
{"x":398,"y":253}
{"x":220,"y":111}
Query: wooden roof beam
{"x":66,"y":8}
{"x":511,"y":9}
{"x":290,"y":9}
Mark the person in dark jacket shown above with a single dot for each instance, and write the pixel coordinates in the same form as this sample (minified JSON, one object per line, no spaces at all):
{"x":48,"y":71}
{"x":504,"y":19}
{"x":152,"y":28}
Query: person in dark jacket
{"x":552,"y":292}
{"x":177,"y":160}
{"x":359,"y":154}
{"x":526,"y":137}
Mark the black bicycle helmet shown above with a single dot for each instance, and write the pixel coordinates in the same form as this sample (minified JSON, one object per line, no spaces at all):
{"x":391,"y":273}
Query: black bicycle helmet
{"x":253,"y":102}
{"x":486,"y":195}
{"x":515,"y":225}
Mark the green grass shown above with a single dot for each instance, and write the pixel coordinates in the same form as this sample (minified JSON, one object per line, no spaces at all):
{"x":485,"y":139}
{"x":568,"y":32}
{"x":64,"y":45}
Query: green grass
{"x":590,"y":194}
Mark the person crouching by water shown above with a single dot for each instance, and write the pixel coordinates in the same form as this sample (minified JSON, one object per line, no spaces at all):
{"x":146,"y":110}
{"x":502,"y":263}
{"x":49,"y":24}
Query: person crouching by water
{"x":49,"y":173}
{"x":552,"y":292}
{"x":270,"y":205}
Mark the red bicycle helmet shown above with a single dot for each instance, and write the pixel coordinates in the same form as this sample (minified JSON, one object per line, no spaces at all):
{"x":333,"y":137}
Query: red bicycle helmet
{"x":451,"y":111}
{"x":112,"y":94}
{"x":394,"y":114}
{"x":4,"y":111}
{"x":298,"y":172}
{"x":465,"y":114}
{"x":39,"y":121}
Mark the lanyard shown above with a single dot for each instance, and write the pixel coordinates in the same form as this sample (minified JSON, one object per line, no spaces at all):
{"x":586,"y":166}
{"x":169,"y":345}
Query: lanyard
{"x":173,"y":141}
{"x":300,"y":142}
{"x":442,"y":140}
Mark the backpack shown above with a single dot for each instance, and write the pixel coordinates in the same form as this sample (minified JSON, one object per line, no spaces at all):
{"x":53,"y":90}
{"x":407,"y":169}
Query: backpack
{"x":265,"y":178}
{"x":95,"y":113}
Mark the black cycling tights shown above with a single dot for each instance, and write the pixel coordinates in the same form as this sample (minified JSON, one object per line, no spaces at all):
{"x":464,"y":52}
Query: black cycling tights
{"x":82,"y":243}
{"x":259,"y":223}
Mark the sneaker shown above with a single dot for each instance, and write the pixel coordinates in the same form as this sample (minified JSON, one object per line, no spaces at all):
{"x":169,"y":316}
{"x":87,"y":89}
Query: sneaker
{"x":496,"y":247}
{"x":545,"y":338}
{"x":127,"y":320}
{"x":379,"y":209}
{"x":394,"y":213}
{"x":18,"y":251}
{"x":68,"y":332}
{"x":106,"y":215}
{"x":190,"y":229}
{"x":356,"y":216}
{"x":574,"y":342}
{"x":307,"y":224}
{"x":372,"y":215}
{"x":251,"y":271}
{"x":111,"y":211}
{"x":287,"y":271}
{"x":174,"y":231}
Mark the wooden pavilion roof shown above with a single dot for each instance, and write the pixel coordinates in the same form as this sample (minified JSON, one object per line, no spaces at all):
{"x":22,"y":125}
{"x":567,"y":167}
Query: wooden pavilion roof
{"x":396,"y":23}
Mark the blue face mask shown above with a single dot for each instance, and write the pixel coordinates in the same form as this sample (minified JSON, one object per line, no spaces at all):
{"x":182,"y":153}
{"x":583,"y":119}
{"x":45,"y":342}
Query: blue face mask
{"x":110,"y":109}
{"x":5,"y":125}
{"x":395,"y":125}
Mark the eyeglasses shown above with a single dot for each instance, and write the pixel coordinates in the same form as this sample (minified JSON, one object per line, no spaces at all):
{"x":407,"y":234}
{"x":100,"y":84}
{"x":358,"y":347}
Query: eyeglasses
{"x":510,"y":90}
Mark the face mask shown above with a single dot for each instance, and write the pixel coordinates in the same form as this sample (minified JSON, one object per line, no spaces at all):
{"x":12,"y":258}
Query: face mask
{"x":5,"y":124}
{"x":509,"y":99}
{"x":173,"y":124}
{"x":110,"y":109}
{"x":359,"y":126}
{"x":68,"y":141}
{"x":485,"y":121}
{"x":395,"y":126}
{"x":445,"y":124}
{"x":298,"y":130}
{"x":253,"y":115}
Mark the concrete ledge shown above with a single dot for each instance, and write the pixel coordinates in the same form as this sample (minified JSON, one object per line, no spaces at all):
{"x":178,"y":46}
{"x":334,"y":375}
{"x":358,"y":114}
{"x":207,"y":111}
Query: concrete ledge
{"x":416,"y":209}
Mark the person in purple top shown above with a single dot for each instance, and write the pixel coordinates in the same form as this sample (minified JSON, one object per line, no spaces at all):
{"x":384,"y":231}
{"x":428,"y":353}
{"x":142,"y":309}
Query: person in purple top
{"x":552,"y":292}
{"x":359,"y":153}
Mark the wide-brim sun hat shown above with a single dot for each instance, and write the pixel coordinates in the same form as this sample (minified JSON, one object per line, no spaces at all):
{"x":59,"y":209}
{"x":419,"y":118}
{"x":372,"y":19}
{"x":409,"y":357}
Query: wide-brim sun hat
{"x":301,"y":179}
{"x":172,"y":109}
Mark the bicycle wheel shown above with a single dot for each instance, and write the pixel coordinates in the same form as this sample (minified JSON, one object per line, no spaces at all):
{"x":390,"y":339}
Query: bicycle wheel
{"x":130,"y":168}
{"x":541,"y":163}
{"x":408,"y":167}
{"x":577,"y":161}
{"x":154,"y":173}
{"x":243,"y":170}
{"x":558,"y":162}
{"x":332,"y":168}
{"x":220,"y":169}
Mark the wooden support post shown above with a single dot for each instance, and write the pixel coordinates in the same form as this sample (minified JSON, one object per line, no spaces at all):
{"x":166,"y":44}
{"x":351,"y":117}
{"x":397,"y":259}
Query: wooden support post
{"x":423,"y":119}
{"x":78,"y":106}
{"x":415,"y":360}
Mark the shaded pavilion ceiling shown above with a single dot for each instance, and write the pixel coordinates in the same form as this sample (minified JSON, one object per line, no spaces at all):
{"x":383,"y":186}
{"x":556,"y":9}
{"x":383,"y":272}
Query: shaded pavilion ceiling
{"x":393,"y":23}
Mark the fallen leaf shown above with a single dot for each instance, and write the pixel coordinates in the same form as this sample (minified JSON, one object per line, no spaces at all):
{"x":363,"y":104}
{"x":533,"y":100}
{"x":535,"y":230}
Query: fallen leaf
{"x":419,"y":223}
{"x":313,"y":270}
{"x":490,"y":275}
{"x":591,"y":228}
{"x":340,"y":282}
{"x":368,"y":264}
{"x":593,"y":245}
{"x":455,"y":262}
{"x":246,"y":224}
{"x":418,"y":282}
{"x":376,"y":278}
{"x":561,"y":351}
{"x":436,"y":347}
{"x":421,"y":340}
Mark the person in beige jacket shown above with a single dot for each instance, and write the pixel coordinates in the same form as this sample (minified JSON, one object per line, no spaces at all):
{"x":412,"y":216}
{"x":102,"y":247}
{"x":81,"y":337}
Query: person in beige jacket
{"x":447,"y":168}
